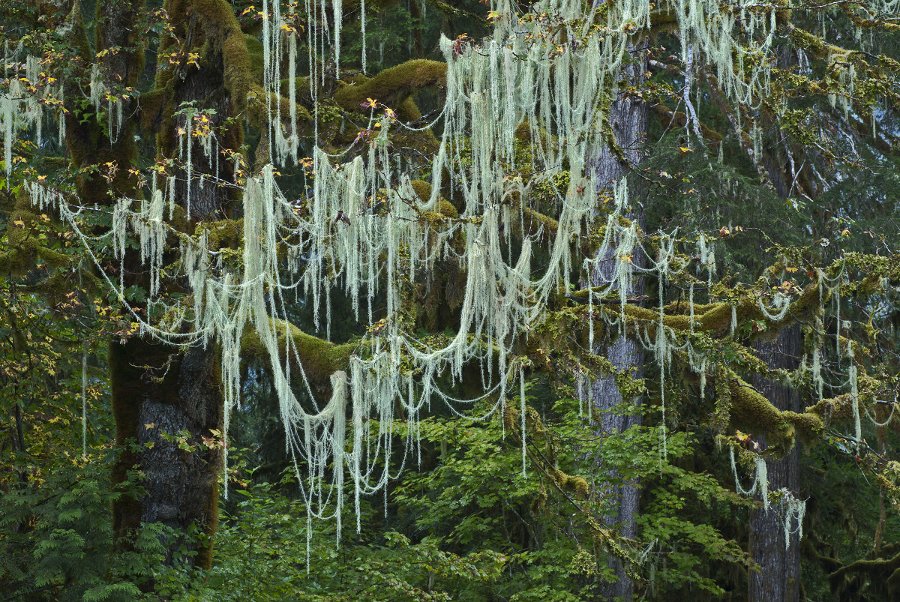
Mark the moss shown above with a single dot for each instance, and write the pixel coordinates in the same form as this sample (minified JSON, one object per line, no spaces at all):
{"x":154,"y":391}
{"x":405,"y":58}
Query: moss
{"x":320,"y":358}
{"x":808,"y":426}
{"x":22,"y":246}
{"x":86,"y":140}
{"x":447,"y":209}
{"x":422,"y":189}
{"x":258,"y":113}
{"x":223,"y":233}
{"x":255,"y":53}
{"x":534,"y":221}
{"x":523,"y":132}
{"x":221,"y":27}
{"x":716,"y":317}
{"x":753,"y":413}
{"x":444,"y":210}
{"x":578,"y":485}
{"x":841,"y":406}
{"x":394,"y":85}
{"x":151,"y":104}
{"x":721,"y":417}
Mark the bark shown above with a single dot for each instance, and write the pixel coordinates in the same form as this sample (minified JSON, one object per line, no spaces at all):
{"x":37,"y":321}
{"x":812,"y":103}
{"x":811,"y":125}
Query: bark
{"x":628,"y":118}
{"x":779,"y":576}
{"x":164,"y":402}
{"x":169,"y":400}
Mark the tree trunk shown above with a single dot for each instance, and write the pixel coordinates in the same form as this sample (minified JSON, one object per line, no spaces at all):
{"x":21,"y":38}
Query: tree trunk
{"x":165,"y":401}
{"x":168,"y":401}
{"x":628,"y":117}
{"x":779,"y":576}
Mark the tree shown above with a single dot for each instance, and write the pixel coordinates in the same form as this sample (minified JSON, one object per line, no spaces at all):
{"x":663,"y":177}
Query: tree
{"x":251,"y":171}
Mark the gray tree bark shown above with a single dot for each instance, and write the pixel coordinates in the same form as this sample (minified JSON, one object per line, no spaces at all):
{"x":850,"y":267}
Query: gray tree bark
{"x":778,"y":579}
{"x":165,"y":401}
{"x":628,"y":118}
{"x":779,"y":575}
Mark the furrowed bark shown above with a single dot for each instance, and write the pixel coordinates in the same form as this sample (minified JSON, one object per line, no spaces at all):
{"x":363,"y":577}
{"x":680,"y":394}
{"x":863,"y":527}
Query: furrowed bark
{"x":779,"y":574}
{"x":628,"y":119}
{"x":170,"y":400}
{"x":164,"y":402}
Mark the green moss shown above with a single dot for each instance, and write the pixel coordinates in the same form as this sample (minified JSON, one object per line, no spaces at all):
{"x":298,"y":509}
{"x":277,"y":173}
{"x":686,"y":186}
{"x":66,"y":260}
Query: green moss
{"x":320,"y":358}
{"x":445,"y":209}
{"x":807,"y":425}
{"x":393,"y":86}
{"x":534,"y":220}
{"x":221,"y":27}
{"x":752,"y":412}
{"x":223,"y":233}
{"x":422,"y":189}
{"x":255,"y":53}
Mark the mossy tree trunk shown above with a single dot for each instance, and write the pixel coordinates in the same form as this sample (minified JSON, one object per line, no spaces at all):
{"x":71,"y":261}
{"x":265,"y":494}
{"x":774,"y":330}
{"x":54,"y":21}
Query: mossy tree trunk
{"x":628,"y":117}
{"x":167,"y":402}
{"x":779,"y":574}
{"x":170,"y":400}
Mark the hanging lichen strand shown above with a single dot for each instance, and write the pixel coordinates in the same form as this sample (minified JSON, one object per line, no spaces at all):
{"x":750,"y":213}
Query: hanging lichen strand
{"x":25,"y":95}
{"x":364,"y":229}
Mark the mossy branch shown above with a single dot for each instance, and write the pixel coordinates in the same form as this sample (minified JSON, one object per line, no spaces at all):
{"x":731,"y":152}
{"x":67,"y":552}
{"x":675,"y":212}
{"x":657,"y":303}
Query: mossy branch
{"x":394,"y":85}
{"x":751,"y":411}
{"x":320,"y":358}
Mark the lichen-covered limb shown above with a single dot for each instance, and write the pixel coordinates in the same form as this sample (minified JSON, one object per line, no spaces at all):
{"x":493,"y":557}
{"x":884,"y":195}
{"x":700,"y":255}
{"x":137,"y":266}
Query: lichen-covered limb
{"x":535,"y":220}
{"x":320,"y":358}
{"x":841,"y":406}
{"x":881,"y":567}
{"x":854,"y":16}
{"x":393,"y":86}
{"x":822,"y":50}
{"x":443,"y":211}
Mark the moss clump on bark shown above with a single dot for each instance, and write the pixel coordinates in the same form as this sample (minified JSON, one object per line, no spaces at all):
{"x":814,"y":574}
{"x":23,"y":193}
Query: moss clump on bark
{"x":393,"y":86}
{"x":320,"y":358}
